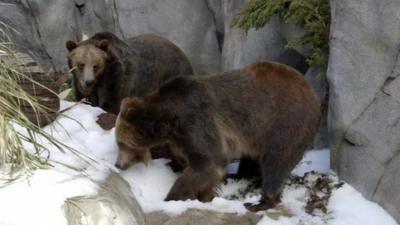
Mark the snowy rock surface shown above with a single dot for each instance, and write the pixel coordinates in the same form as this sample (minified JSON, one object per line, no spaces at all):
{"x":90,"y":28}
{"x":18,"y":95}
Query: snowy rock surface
{"x":364,"y":97}
{"x":202,"y":217}
{"x":113,"y":204}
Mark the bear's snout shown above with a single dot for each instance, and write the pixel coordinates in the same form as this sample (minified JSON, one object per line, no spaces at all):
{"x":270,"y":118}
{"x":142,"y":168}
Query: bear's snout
{"x":121,"y":166}
{"x":124,"y":160}
{"x":89,"y":83}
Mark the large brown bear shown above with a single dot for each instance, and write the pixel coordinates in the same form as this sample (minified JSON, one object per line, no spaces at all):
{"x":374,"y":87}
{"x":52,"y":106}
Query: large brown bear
{"x":266,"y":111}
{"x":106,"y":69}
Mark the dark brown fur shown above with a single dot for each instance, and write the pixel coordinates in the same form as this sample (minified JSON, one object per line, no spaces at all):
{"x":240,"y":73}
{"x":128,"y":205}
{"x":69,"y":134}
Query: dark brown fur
{"x":266,"y":112}
{"x":107,"y":69}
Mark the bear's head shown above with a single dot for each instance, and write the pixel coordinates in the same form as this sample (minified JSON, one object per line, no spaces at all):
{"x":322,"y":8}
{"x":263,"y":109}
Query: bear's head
{"x":140,"y":125}
{"x":88,"y":62}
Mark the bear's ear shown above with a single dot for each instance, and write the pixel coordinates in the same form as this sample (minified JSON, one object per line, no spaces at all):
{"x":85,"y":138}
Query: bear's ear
{"x":103,"y":45}
{"x":71,"y":45}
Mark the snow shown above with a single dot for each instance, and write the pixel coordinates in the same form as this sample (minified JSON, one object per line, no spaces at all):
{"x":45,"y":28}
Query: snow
{"x":84,"y":37}
{"x":346,"y":207}
{"x":349,"y":207}
{"x":151,"y":184}
{"x":41,"y":199}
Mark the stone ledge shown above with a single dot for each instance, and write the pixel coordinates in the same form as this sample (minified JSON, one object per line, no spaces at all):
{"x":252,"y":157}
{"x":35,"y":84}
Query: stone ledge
{"x":201,"y":217}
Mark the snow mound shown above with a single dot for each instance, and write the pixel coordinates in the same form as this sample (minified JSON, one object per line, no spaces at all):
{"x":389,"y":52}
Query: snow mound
{"x":39,"y":199}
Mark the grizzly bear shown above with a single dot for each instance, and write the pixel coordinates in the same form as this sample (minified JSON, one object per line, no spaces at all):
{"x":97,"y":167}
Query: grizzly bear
{"x":266,"y":111}
{"x":106,"y":69}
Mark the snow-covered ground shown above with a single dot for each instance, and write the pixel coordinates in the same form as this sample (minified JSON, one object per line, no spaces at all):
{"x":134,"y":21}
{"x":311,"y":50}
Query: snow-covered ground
{"x":40,"y":200}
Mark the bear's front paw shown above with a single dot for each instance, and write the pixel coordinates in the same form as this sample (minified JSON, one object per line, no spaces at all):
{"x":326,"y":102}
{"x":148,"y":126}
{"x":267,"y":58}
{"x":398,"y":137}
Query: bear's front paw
{"x":264,"y":204}
{"x":207,"y":195}
{"x":258,"y":207}
{"x":180,"y":195}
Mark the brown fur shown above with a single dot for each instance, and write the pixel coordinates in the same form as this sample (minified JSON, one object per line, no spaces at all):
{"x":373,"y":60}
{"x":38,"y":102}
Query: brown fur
{"x":153,"y":37}
{"x":90,"y":61}
{"x":107,"y":69}
{"x":266,"y":112}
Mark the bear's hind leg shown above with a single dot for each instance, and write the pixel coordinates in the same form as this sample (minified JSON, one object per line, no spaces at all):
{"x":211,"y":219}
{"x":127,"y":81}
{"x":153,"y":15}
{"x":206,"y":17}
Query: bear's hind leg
{"x":274,"y":171}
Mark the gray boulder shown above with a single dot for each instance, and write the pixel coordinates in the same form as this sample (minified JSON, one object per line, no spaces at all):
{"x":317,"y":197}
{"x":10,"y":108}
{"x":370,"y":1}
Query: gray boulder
{"x":389,"y":183}
{"x":20,"y":27}
{"x":202,"y":217}
{"x":189,"y":24}
{"x":114,"y":204}
{"x":364,"y":111}
{"x":42,"y":28}
{"x":46,"y":26}
{"x":241,"y":48}
{"x":202,"y":29}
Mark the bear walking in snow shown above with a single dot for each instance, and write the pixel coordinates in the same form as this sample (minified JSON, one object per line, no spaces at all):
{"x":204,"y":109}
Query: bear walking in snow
{"x":266,"y":111}
{"x":106,"y":69}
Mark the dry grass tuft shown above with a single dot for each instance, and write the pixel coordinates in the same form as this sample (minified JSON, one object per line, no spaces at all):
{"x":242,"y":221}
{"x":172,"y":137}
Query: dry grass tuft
{"x":16,"y":130}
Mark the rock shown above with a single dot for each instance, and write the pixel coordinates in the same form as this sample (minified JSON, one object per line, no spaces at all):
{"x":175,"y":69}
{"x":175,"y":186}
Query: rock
{"x":197,"y":217}
{"x":392,"y":89}
{"x":189,"y":24}
{"x":371,"y":145}
{"x":57,"y":21}
{"x":318,"y":81}
{"x":23,"y":31}
{"x":380,"y":135}
{"x":114,"y":204}
{"x":267,"y":43}
{"x":389,"y":183}
{"x":55,"y":24}
{"x":361,"y":61}
{"x":241,"y":48}
{"x":364,"y":111}
{"x":61,"y":20}
{"x":106,"y":120}
{"x":215,"y":7}
{"x":202,"y":29}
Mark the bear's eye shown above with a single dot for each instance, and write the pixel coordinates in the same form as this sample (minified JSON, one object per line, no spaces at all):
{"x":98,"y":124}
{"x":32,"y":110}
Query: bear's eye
{"x":95,"y":67}
{"x":81,"y":65}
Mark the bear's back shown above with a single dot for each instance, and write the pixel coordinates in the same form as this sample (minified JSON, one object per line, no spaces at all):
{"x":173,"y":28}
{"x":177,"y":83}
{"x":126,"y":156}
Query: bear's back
{"x":152,"y":47}
{"x":265,"y":96}
{"x":149,"y":61}
{"x":275,"y":84}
